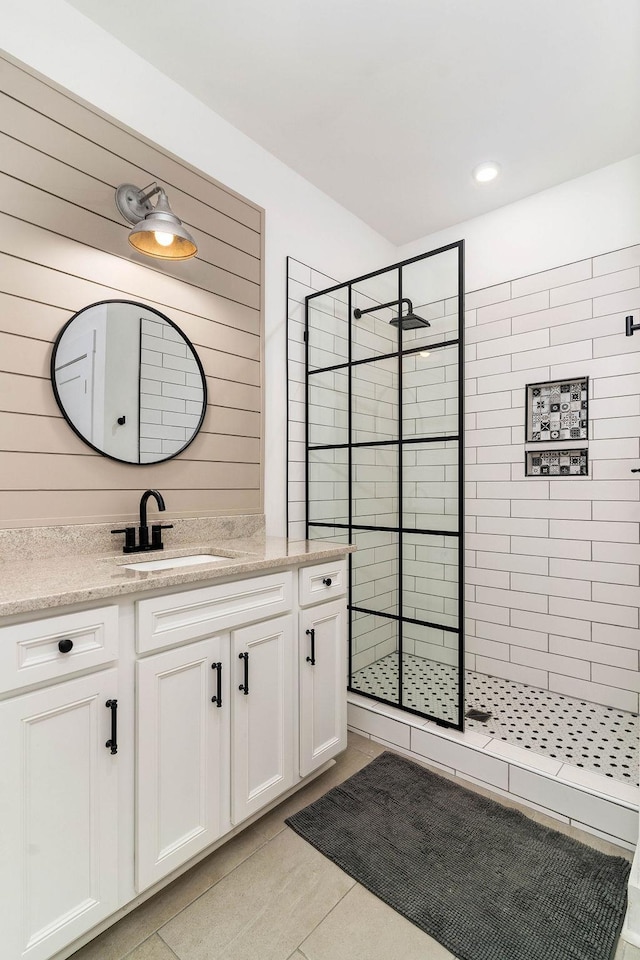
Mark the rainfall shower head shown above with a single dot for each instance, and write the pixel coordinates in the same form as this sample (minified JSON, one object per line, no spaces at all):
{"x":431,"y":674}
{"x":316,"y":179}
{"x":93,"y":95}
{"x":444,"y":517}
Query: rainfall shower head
{"x":410,"y":320}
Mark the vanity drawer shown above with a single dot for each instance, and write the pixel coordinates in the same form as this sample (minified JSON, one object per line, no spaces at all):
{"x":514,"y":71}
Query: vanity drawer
{"x":323,"y":581}
{"x":55,"y":647}
{"x":195,"y":614}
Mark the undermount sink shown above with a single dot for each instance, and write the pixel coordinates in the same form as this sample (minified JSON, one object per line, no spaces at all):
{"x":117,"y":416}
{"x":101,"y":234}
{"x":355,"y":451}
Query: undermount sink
{"x":168,"y":563}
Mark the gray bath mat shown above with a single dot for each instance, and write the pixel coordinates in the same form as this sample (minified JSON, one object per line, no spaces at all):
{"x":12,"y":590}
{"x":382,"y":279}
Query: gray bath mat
{"x":485,"y":881}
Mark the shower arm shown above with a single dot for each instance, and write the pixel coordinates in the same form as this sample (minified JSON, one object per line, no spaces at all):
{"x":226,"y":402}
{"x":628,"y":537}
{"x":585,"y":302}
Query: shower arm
{"x":382,"y":306}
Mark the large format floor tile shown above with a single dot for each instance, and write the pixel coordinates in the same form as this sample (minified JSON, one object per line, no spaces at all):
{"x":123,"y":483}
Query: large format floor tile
{"x":626,"y":951}
{"x":265,"y":908}
{"x":136,"y":927}
{"x":361,"y":927}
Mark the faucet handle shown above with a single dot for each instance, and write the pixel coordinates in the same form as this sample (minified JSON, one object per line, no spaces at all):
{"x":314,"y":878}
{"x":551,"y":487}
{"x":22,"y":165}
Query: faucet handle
{"x":129,"y":539}
{"x":156,"y":534}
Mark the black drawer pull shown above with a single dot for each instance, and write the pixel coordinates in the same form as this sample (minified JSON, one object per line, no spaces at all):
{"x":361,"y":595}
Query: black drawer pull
{"x":312,"y":659}
{"x":65,"y":646}
{"x":327,"y":581}
{"x":113,"y":743}
{"x":245,"y":686}
{"x":218,"y":698}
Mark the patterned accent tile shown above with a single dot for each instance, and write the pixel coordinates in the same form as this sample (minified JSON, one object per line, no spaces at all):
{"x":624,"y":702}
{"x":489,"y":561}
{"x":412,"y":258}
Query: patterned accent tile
{"x":586,"y":735}
{"x":557,"y":463}
{"x":558,"y":411}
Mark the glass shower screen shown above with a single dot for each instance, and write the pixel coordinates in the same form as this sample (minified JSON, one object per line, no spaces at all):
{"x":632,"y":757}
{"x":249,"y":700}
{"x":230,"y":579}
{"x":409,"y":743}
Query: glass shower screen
{"x":384,"y":471}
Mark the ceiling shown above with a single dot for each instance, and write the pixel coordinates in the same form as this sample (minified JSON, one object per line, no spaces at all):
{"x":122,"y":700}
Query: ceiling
{"x":388,"y":105}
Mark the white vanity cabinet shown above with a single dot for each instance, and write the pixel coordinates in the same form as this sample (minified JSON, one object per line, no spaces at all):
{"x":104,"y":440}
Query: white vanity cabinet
{"x":59,"y":785}
{"x":263,"y":735}
{"x":137,"y":735}
{"x":322,"y":664}
{"x":216,"y":737}
{"x":182,"y":768}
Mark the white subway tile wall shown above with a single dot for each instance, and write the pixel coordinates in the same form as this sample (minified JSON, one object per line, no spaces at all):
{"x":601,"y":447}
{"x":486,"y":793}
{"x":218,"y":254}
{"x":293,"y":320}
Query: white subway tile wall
{"x":170,"y":387}
{"x":553,"y":582}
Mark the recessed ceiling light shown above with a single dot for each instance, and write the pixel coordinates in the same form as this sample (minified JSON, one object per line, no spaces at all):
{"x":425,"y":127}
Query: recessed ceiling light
{"x":485,"y":172}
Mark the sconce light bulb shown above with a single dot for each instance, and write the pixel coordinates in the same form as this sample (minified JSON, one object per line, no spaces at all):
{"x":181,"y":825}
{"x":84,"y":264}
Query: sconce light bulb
{"x":425,"y":353}
{"x":164,"y":239}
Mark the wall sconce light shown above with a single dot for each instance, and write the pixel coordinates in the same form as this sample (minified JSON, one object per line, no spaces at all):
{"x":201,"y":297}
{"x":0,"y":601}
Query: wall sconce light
{"x":157,"y":231}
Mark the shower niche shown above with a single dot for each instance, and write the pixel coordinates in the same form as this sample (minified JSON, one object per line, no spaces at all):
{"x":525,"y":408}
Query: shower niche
{"x":384,"y":470}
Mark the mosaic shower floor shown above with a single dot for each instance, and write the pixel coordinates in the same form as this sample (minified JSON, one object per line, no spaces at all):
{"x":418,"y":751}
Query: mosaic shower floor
{"x":597,"y":738}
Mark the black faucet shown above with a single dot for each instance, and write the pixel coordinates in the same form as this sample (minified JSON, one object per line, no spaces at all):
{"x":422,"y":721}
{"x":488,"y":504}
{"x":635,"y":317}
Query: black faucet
{"x":130,"y":545}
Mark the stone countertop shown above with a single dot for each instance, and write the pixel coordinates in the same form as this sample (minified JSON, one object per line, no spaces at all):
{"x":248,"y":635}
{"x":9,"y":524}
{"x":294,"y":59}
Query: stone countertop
{"x":40,"y":584}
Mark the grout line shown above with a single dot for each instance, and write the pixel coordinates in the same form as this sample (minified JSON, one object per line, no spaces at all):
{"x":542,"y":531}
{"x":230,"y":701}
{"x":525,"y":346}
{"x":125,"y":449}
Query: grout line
{"x":328,"y":914}
{"x":142,"y":942}
{"x":160,"y":937}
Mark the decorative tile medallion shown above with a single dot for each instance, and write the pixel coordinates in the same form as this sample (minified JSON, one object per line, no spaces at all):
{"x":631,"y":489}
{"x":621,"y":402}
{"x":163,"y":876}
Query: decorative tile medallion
{"x":556,"y":463}
{"x":558,"y":411}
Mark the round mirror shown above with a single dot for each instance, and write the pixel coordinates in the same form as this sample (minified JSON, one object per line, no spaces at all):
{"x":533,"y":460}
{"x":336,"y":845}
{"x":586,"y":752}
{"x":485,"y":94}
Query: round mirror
{"x":128,"y":381}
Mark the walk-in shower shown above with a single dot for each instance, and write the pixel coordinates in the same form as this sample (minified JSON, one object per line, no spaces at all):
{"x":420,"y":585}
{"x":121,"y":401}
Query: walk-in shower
{"x":384,"y":470}
{"x":383,"y":424}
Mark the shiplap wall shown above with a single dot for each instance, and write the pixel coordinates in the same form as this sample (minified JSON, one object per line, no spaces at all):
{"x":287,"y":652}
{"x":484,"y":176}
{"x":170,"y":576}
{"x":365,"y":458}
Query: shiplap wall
{"x":552,"y":567}
{"x":63,"y":246}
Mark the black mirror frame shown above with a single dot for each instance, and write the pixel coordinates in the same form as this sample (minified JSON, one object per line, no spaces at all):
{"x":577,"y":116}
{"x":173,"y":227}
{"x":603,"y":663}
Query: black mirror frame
{"x":144,"y":306}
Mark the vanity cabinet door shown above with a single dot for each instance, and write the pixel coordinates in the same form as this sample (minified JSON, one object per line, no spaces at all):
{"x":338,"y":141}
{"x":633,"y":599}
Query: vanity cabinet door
{"x":263,"y":688}
{"x":323,"y":684}
{"x":59,"y":810}
{"x":182,"y":803}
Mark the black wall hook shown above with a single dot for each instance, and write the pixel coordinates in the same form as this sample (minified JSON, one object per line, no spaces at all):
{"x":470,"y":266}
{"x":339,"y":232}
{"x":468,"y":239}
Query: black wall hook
{"x":631,"y":327}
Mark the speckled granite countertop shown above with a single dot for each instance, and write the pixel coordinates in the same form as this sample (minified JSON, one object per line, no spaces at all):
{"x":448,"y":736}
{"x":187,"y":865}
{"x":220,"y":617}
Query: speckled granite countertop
{"x":35,"y":584}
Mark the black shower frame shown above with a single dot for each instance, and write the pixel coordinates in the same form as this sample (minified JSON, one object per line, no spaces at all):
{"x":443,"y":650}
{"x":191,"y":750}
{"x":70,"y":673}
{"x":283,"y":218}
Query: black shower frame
{"x":400,"y":530}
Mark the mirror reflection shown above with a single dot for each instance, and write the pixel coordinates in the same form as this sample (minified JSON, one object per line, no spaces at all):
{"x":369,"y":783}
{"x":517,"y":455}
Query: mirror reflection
{"x":128,"y":381}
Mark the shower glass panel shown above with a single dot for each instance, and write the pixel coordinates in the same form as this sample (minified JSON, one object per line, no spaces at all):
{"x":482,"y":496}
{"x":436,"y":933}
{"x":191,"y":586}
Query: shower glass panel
{"x":328,"y":409}
{"x":328,"y":486}
{"x":384,"y":472}
{"x":371,"y":334}
{"x":327,"y":331}
{"x":374,"y":583}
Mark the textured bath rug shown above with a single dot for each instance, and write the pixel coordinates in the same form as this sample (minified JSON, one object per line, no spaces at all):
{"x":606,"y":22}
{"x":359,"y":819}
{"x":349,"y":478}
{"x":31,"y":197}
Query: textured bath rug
{"x":483,"y":880}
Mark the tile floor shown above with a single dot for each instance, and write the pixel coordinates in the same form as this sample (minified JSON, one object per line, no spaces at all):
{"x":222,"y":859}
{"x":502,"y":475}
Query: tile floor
{"x":268,"y":895}
{"x":597,"y":738}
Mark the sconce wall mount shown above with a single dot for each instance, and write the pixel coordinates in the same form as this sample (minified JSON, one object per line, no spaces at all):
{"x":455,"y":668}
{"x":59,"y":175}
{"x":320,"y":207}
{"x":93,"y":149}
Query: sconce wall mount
{"x":157,"y":231}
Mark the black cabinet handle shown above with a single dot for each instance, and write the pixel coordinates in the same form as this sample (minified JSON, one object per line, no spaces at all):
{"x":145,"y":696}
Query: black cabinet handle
{"x":245,"y":686}
{"x":312,"y":659}
{"x":218,"y":698}
{"x":635,"y":470}
{"x":327,"y":581}
{"x":65,"y":646}
{"x":113,"y":743}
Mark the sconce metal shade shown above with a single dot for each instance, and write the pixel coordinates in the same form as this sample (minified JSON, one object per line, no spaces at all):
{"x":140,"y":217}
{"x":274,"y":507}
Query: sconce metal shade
{"x":157,"y":231}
